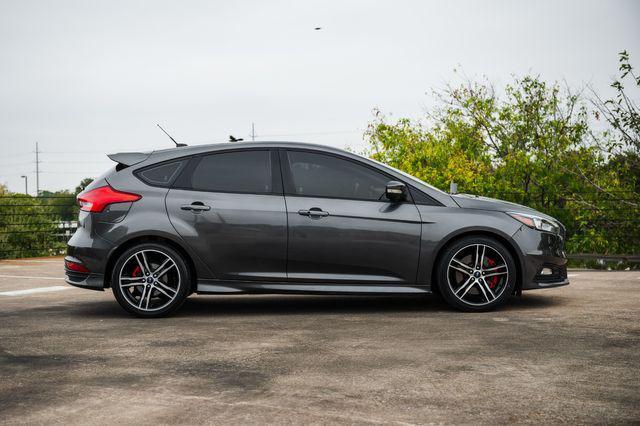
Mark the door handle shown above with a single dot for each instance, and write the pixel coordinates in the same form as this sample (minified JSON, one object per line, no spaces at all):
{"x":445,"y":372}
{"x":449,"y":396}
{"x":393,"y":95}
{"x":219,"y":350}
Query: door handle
{"x":196,"y":206}
{"x":315,"y":213}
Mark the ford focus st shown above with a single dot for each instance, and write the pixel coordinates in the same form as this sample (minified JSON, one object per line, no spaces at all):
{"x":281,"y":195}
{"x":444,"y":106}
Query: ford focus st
{"x":299,"y":218}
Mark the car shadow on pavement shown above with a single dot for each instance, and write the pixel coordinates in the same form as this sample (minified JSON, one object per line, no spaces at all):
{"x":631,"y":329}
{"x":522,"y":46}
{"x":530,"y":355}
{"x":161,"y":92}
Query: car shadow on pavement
{"x":198,"y":306}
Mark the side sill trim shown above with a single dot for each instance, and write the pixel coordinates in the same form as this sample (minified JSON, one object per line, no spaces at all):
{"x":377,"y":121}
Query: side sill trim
{"x":239,"y":287}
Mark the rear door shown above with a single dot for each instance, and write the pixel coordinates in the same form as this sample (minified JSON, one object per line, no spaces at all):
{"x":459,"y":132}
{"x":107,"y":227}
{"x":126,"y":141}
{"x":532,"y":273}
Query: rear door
{"x":229,"y":208}
{"x":341,"y":227}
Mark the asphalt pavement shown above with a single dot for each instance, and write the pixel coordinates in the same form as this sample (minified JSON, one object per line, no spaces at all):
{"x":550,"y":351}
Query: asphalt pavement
{"x":73,"y":356}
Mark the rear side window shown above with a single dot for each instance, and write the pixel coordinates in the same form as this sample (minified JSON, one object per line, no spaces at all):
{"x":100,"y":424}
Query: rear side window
{"x":240,"y":171}
{"x":162,"y":174}
{"x":320,"y":175}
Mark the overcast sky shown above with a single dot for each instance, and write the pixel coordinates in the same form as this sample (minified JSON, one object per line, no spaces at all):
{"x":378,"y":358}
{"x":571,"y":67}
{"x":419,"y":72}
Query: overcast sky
{"x":84,"y":78}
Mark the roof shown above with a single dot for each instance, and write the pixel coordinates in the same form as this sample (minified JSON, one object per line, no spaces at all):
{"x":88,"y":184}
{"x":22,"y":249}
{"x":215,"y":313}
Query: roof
{"x":197,"y":149}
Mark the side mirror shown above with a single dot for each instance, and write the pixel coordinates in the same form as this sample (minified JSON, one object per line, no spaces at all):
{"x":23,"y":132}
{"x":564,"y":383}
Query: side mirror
{"x":396,"y":191}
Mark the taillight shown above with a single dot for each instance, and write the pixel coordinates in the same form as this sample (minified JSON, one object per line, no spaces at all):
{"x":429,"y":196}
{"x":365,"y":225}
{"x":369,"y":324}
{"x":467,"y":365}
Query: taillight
{"x":75,"y":266}
{"x":97,"y":199}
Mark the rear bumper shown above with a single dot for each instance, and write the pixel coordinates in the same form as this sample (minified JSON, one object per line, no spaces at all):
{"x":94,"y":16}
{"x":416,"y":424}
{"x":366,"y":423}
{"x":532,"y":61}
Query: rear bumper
{"x":92,"y":251}
{"x":91,"y":281}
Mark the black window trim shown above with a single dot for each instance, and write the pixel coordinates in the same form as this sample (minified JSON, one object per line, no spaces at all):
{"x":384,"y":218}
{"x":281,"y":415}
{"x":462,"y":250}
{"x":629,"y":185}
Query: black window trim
{"x":194,"y":160}
{"x":288,"y":185}
{"x":433,"y":202}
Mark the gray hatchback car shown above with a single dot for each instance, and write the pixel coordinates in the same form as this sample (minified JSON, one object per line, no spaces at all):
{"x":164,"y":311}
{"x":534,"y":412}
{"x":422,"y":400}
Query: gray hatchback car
{"x":298,"y":218}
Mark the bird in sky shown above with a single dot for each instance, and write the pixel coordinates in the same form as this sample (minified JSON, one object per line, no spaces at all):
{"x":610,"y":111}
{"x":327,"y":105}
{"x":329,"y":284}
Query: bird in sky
{"x":317,"y":28}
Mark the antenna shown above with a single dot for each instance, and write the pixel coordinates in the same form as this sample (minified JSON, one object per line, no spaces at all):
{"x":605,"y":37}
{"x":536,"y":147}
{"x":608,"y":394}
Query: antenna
{"x":171,"y":137}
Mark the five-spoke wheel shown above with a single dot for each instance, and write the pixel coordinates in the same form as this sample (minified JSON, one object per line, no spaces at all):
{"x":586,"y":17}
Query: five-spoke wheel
{"x":150,"y":280}
{"x":476,"y":273}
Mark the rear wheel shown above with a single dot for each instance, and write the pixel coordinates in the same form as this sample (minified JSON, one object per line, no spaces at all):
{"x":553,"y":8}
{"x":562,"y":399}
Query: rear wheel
{"x":476,"y":274}
{"x":150,"y":280}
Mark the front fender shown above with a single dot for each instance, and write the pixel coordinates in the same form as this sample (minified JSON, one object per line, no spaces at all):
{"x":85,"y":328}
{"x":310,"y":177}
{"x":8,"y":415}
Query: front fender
{"x":443,"y":225}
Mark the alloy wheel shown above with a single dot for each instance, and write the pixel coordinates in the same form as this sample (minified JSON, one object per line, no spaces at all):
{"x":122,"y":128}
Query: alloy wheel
{"x":477,"y":274}
{"x":150,"y":280}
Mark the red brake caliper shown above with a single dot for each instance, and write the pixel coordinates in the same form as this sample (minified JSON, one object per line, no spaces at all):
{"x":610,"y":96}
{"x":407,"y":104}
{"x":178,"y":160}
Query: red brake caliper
{"x":137,"y":271}
{"x":493,"y":281}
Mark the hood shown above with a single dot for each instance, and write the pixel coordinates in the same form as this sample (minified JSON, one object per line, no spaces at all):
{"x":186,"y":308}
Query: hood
{"x":468,"y":201}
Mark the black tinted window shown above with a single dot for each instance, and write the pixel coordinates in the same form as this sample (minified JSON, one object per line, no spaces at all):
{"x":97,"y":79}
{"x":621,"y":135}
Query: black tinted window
{"x":161,"y":175}
{"x":240,"y":171}
{"x":328,"y":176}
{"x":421,"y":198}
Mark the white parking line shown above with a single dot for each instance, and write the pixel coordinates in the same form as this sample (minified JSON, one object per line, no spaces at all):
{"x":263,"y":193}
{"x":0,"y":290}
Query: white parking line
{"x":572,"y":275}
{"x":34,"y":290}
{"x":31,"y":277}
{"x":33,"y":261}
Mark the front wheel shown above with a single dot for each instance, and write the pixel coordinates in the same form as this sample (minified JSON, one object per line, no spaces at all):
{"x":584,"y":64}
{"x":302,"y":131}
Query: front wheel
{"x":476,"y":274}
{"x":150,"y":280}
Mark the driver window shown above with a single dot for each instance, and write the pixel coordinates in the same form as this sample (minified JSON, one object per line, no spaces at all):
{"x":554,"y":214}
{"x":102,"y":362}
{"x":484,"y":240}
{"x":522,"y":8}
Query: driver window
{"x":320,"y":175}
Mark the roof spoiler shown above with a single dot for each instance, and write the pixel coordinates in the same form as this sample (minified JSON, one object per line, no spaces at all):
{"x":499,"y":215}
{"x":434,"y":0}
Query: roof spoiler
{"x":129,"y":158}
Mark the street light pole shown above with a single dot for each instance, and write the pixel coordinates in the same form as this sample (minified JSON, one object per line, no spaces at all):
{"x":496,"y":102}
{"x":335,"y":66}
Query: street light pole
{"x":26,"y":186}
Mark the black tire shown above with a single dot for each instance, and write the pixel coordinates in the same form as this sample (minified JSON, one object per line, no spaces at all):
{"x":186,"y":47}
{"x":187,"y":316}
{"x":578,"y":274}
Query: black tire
{"x":178,"y":279}
{"x":479,"y":293}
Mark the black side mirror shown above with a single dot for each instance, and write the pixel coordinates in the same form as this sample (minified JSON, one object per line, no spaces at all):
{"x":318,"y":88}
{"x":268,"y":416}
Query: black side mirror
{"x":396,"y":191}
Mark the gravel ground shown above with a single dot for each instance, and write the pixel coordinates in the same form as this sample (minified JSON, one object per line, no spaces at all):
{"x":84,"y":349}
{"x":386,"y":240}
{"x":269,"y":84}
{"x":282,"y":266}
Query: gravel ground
{"x":566,"y":355}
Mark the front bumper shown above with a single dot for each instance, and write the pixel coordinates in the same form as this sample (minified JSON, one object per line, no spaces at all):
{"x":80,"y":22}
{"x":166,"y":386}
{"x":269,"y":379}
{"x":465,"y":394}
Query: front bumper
{"x":544,"y":263}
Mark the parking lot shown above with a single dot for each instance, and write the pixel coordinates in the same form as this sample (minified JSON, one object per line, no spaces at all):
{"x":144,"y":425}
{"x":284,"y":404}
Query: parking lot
{"x":560,"y":355}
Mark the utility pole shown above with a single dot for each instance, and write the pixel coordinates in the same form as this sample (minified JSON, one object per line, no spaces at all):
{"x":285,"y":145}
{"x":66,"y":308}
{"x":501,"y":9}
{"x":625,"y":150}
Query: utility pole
{"x":253,"y":132}
{"x":26,"y":186}
{"x":37,"y":171}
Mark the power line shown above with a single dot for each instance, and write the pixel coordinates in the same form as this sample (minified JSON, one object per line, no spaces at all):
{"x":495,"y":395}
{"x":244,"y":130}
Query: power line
{"x":71,"y":173}
{"x":106,"y":161}
{"x":312,"y":133}
{"x":16,"y":164}
{"x":26,"y":154}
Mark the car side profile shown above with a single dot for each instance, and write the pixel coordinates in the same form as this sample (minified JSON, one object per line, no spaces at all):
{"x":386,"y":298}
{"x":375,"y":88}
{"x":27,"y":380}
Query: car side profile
{"x":288,"y":217}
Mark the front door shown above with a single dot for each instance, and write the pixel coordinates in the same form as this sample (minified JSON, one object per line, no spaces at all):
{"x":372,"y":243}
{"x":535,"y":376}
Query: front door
{"x":341,"y":228}
{"x":230,"y":209}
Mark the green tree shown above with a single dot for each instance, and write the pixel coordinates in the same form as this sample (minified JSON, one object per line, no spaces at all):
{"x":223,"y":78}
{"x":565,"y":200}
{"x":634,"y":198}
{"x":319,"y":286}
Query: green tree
{"x":33,"y":226}
{"x":83,"y":184}
{"x":532,"y":144}
{"x":28,"y":227}
{"x":62,"y":202}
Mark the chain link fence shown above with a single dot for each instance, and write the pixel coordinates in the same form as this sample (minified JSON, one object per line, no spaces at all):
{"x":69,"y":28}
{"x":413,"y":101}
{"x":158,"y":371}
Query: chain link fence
{"x":603,"y":228}
{"x":36,"y":226}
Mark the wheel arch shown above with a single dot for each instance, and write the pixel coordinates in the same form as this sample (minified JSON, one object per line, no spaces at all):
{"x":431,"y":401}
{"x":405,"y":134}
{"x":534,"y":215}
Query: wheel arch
{"x":505,"y":240}
{"x":141,"y":239}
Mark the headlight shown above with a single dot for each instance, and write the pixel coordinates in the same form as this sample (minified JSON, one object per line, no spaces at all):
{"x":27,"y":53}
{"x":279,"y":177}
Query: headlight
{"x":536,"y":222}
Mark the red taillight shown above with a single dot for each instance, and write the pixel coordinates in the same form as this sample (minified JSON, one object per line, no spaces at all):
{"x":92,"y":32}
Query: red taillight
{"x":97,"y":199}
{"x":76,"y":267}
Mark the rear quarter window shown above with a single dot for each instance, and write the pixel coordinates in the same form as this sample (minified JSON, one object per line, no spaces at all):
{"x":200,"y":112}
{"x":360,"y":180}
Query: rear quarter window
{"x":161,"y":174}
